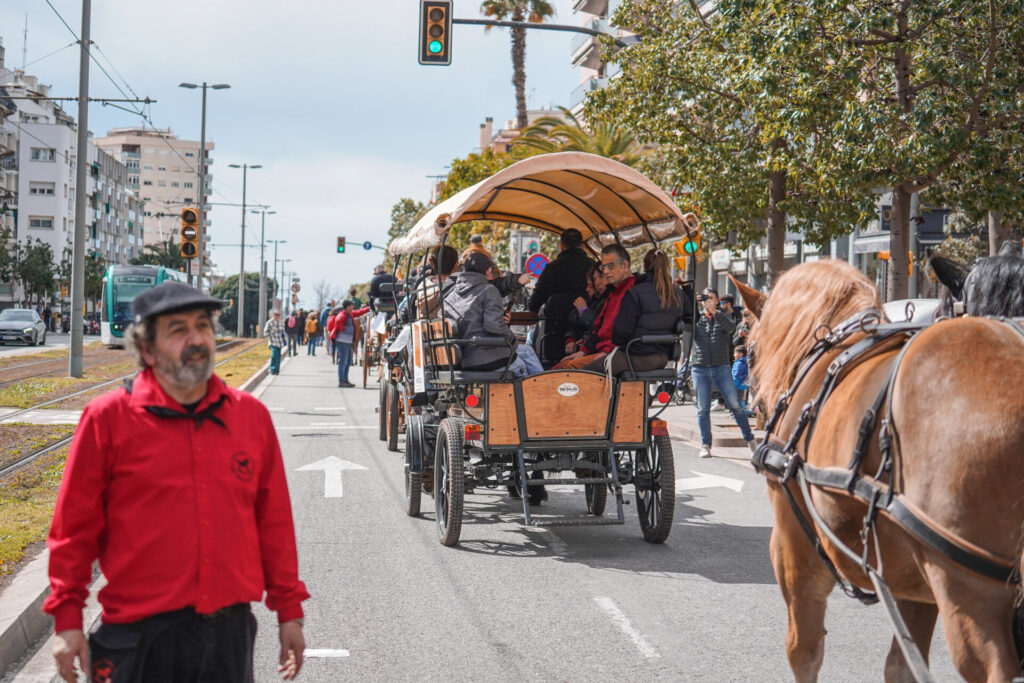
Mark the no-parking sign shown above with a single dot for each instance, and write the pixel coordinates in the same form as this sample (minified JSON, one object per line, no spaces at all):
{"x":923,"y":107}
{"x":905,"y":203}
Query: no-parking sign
{"x":535,"y":264}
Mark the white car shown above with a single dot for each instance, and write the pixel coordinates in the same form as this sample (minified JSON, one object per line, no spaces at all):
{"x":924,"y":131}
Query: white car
{"x":22,"y":325}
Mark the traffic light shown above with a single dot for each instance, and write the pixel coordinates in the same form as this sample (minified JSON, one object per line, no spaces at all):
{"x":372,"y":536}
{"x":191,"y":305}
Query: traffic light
{"x":689,"y":245}
{"x":189,"y":233}
{"x":341,"y":245}
{"x":435,"y":32}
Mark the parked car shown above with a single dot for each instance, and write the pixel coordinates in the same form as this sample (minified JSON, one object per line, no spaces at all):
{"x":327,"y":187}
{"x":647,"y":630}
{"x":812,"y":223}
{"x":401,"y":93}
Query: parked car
{"x":22,"y":325}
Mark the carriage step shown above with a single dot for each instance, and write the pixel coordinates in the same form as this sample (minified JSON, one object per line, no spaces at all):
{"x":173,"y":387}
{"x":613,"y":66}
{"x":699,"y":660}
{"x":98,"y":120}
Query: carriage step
{"x":556,"y":482}
{"x":579,"y":521}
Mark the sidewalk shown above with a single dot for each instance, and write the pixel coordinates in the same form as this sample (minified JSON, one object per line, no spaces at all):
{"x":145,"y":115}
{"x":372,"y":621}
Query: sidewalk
{"x":726,"y":440}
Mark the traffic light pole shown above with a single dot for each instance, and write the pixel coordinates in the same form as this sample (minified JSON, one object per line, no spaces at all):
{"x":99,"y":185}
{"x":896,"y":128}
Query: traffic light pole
{"x":240,"y":331}
{"x":202,"y":197}
{"x":78,"y":245}
{"x":621,"y":42}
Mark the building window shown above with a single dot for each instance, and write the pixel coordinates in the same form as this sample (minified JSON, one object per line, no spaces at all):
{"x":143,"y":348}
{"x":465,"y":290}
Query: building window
{"x":40,"y":222}
{"x":188,"y":200}
{"x":43,"y":188}
{"x":161,"y":183}
{"x":161,"y":168}
{"x":188,"y":186}
{"x":147,"y":182}
{"x":43,"y":154}
{"x":174,"y":183}
{"x":189,"y":154}
{"x":147,"y":167}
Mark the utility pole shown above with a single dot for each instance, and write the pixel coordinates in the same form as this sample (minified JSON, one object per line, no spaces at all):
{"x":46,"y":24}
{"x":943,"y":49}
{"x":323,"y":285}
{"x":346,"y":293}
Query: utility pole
{"x":262,"y":317}
{"x":241,"y":268}
{"x":78,"y":244}
{"x":277,"y":282}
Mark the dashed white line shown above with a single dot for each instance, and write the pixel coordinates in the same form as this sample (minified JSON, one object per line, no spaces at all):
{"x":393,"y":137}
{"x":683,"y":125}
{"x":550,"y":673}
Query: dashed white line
{"x":331,"y":408}
{"x":622,"y":621}
{"x":325,"y":653}
{"x":314,"y":426}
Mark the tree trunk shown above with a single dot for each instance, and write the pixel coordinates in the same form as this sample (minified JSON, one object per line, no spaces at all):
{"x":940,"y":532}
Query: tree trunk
{"x":519,"y":70}
{"x":899,"y":245}
{"x":776,"y":227}
{"x":998,"y":232}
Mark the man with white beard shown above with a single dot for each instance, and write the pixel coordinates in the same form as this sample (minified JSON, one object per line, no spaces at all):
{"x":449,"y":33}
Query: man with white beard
{"x":176,"y":484}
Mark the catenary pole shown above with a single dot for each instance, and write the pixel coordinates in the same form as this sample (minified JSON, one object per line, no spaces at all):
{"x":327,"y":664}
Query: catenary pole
{"x":202,"y":194}
{"x":78,"y":243}
{"x":241,"y":267}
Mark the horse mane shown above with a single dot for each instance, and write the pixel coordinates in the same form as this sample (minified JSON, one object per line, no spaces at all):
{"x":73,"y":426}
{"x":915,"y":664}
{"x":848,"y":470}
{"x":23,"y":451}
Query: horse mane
{"x":995,"y":286}
{"x":825,"y":292}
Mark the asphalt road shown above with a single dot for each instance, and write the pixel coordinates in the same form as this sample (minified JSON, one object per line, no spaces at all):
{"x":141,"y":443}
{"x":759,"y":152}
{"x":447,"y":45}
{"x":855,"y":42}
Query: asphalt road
{"x":53,"y":341}
{"x":514,"y":602}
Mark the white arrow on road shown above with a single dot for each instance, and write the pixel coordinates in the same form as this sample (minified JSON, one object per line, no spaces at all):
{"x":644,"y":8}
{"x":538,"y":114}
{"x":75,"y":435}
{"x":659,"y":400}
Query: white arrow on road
{"x":707,"y":481}
{"x":332,"y":467}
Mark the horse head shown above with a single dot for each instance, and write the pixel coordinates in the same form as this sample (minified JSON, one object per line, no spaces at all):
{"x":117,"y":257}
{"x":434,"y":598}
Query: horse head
{"x":993,"y":286}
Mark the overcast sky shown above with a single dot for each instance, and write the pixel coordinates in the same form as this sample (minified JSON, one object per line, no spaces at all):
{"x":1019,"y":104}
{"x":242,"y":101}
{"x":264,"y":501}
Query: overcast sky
{"x":325,"y":94}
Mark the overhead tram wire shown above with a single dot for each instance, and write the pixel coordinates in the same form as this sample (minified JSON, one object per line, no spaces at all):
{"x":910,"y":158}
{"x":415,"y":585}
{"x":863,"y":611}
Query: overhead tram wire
{"x":34,"y":61}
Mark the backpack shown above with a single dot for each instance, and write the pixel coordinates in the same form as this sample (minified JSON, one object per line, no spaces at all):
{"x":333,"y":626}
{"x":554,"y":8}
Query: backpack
{"x":291,"y":323}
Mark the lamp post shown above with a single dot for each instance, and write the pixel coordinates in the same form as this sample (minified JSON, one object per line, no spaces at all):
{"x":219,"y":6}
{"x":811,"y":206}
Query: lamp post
{"x":262,"y":317}
{"x":201,"y":172}
{"x":285,"y":286}
{"x":241,"y":268}
{"x":78,"y":239}
{"x":277,"y":282}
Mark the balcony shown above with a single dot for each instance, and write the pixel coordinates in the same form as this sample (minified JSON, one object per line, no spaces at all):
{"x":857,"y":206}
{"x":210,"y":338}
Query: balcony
{"x":580,"y":93}
{"x":590,"y":6}
{"x":586,"y":49}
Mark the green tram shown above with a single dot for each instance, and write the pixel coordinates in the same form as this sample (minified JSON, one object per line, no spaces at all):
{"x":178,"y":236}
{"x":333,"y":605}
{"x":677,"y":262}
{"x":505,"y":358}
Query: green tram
{"x":121,"y":285}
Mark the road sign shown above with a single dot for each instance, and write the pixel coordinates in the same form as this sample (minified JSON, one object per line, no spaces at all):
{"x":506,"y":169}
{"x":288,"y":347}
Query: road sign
{"x":535,"y":264}
{"x":367,"y":245}
{"x":332,"y":467}
{"x":296,"y":288}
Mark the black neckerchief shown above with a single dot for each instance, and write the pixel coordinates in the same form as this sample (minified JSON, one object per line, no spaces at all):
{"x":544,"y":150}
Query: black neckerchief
{"x":198,"y":417}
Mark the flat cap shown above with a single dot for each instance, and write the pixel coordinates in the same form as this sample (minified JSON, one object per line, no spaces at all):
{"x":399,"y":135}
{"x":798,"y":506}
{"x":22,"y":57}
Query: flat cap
{"x":171,"y":297}
{"x":477,"y":262}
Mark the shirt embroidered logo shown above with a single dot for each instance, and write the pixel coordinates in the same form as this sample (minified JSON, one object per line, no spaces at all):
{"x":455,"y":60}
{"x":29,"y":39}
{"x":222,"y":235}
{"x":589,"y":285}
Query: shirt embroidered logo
{"x":241,"y":466}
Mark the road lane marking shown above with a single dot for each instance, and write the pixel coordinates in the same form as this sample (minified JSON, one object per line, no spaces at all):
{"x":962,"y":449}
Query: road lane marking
{"x":622,"y":621}
{"x":331,"y":408}
{"x":325,"y":653}
{"x":708,"y":481}
{"x":334,"y":427}
{"x":332,"y":468}
{"x":328,"y":424}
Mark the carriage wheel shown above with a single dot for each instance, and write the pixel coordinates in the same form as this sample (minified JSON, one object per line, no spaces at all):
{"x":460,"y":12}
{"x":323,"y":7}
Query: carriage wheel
{"x":597,"y":497}
{"x":393,"y":409}
{"x":655,"y":489}
{"x":449,"y":479}
{"x":383,"y":414}
{"x":413,"y":480}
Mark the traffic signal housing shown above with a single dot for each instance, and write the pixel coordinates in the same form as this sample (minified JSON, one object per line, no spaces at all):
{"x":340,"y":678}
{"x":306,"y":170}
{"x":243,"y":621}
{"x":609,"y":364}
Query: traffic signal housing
{"x":689,"y":245}
{"x":189,"y":232}
{"x":435,"y":32}
{"x":341,"y":245}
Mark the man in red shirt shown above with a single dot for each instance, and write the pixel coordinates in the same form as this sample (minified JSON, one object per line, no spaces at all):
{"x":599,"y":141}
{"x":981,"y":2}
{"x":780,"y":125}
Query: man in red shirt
{"x":176,"y":485}
{"x":598,"y":344}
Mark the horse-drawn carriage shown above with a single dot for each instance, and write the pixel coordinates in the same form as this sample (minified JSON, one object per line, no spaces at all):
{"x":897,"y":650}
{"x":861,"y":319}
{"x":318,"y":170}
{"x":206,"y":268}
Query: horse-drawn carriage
{"x":486,"y":429}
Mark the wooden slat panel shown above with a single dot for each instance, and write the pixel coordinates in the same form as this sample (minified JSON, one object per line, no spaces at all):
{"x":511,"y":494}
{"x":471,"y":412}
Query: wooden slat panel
{"x":629,"y":415}
{"x":502,"y":425}
{"x":554,"y":409}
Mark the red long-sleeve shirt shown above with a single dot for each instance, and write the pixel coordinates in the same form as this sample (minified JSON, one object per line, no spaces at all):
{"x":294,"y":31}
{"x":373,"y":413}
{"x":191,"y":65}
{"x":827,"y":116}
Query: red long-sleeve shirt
{"x":179,"y":513}
{"x":600,"y":340}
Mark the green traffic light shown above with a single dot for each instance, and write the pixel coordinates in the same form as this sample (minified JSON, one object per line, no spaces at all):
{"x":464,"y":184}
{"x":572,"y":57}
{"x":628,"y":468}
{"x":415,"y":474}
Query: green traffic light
{"x":690,"y":247}
{"x":435,"y":47}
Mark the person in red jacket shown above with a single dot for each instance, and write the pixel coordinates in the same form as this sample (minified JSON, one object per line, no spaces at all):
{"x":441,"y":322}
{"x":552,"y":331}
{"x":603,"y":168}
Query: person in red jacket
{"x":598,"y":344}
{"x":344,"y":334}
{"x":330,"y":336}
{"x":176,"y":484}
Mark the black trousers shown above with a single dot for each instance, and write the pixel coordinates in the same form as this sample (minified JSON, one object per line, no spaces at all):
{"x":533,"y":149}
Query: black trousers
{"x":176,"y":647}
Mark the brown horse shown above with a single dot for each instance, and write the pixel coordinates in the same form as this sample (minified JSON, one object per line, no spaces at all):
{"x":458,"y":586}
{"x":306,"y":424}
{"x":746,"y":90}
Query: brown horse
{"x":958,"y":411}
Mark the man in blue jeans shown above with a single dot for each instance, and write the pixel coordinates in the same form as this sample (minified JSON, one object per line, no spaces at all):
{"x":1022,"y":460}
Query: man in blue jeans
{"x":711,"y":363}
{"x":274,"y":332}
{"x":344,"y":335}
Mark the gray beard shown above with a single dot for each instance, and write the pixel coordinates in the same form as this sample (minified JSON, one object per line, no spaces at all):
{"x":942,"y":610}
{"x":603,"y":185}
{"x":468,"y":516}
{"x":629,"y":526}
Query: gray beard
{"x":182,"y":374}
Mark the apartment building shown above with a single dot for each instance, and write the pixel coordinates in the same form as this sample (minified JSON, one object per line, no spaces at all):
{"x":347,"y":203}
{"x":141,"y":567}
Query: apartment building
{"x":162,"y":171}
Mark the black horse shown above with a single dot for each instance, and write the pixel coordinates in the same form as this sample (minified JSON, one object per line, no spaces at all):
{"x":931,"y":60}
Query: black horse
{"x":993,"y":286}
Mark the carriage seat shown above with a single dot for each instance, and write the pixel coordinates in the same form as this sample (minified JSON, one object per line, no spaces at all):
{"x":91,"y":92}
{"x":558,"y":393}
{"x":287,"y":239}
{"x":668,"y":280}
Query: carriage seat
{"x":664,"y":374}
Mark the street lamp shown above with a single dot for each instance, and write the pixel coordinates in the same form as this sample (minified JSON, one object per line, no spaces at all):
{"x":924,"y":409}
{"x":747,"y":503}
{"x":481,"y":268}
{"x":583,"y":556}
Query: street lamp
{"x":241,"y":268}
{"x":287,"y":297}
{"x":262,"y":318}
{"x":277,"y":282}
{"x":201,"y":171}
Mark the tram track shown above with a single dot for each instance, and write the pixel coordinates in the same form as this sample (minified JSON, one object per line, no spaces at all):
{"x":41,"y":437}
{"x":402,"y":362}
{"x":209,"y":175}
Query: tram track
{"x":23,"y":461}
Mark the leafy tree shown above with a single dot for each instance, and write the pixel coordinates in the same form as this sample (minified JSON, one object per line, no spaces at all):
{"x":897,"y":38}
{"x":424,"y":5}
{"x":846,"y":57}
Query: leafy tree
{"x":228,"y":291}
{"x":95,"y":269}
{"x":8,"y":255}
{"x":605,"y":138}
{"x":535,"y":11}
{"x":404,"y":215}
{"x":34,"y":269}
{"x":166,"y":254}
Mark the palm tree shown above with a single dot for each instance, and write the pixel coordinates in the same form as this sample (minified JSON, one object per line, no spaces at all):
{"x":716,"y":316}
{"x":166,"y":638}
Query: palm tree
{"x":606,"y":139}
{"x":536,"y":11}
{"x":166,"y":254}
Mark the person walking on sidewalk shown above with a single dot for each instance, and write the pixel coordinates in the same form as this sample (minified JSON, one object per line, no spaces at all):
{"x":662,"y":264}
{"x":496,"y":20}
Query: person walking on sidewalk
{"x":711,"y":364}
{"x":276,"y":340}
{"x":344,"y":333}
{"x":312,"y":334}
{"x":293,"y":327}
{"x":176,"y":484}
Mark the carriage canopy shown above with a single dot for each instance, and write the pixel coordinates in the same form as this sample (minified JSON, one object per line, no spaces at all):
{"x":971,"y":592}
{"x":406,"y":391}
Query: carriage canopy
{"x":604,"y":199}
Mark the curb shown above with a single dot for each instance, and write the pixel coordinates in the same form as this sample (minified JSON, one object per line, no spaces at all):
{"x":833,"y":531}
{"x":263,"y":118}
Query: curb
{"x":690,"y":433}
{"x":22,"y":620}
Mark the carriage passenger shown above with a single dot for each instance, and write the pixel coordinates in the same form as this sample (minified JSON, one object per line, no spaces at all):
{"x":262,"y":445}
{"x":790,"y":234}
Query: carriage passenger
{"x":585,"y":310}
{"x":475,"y":306}
{"x":443,"y":262}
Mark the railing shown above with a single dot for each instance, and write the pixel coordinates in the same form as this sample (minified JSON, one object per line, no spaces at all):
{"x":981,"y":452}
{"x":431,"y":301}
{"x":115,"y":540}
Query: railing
{"x":588,"y":86}
{"x":590,"y":6}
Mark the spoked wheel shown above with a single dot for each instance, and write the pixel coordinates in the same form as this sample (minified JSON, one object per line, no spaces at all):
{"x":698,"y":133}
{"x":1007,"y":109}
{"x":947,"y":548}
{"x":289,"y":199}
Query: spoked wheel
{"x":655,"y":485}
{"x":449,"y":479}
{"x":413,"y":481}
{"x":383,"y":414}
{"x":393,"y":417}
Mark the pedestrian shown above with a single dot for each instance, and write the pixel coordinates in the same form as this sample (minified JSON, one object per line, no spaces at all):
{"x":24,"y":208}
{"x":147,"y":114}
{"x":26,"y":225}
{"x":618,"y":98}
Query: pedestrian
{"x":325,"y":314}
{"x":330,"y":335}
{"x":312,"y":333}
{"x":47,"y":315}
{"x":276,"y":340}
{"x":710,"y":364}
{"x":740,"y":374}
{"x":176,"y":484}
{"x":344,"y":334}
{"x":293,"y":327}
